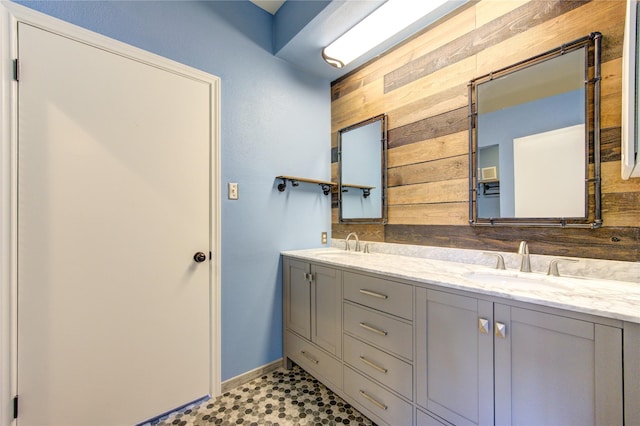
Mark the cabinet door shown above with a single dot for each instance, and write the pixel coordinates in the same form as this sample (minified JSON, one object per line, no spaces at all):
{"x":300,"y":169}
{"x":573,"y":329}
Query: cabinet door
{"x":556,"y":370}
{"x":455,"y":357}
{"x":326,"y":324}
{"x":297,"y":297}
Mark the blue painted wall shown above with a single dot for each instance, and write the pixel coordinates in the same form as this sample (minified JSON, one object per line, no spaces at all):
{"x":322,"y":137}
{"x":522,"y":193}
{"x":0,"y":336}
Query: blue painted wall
{"x":275,"y":120}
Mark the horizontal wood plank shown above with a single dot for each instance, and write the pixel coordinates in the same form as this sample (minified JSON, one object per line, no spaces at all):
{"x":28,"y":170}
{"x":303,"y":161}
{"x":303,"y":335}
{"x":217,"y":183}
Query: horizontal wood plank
{"x":621,"y":208}
{"x":487,"y":11}
{"x":430,"y":214}
{"x":612,"y":181}
{"x":428,"y":105}
{"x":446,"y":191}
{"x":427,"y":150}
{"x":613,"y":243}
{"x":366,"y":232}
{"x":430,"y":171}
{"x":433,"y":127}
{"x":610,"y":144}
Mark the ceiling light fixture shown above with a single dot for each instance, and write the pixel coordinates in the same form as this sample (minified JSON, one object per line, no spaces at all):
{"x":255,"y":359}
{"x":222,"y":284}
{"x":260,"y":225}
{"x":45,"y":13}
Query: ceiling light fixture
{"x":383,"y":23}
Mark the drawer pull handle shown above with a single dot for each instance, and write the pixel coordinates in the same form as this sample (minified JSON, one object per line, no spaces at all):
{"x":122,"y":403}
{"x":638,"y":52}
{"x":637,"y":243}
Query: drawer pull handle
{"x":374,"y":401}
{"x":373,"y":329}
{"x":373,"y":365}
{"x":373,"y":294}
{"x":309,"y":357}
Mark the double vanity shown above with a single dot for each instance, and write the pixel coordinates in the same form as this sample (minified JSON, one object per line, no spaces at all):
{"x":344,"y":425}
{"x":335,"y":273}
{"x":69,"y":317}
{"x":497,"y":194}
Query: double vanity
{"x":424,"y":341}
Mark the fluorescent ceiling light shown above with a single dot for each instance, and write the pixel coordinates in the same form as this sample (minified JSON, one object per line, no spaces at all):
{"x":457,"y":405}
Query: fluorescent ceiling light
{"x":386,"y":21}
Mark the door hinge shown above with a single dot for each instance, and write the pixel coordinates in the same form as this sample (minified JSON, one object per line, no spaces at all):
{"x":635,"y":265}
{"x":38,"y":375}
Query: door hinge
{"x":15,"y":407}
{"x":16,"y":70}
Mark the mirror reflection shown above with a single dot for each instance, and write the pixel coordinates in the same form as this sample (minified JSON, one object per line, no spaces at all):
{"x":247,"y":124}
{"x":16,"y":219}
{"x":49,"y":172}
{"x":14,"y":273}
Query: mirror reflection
{"x":362,"y":171}
{"x":531,"y":139}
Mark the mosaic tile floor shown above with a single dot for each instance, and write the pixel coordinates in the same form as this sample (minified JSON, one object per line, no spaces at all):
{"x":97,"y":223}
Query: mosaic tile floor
{"x":281,"y":398}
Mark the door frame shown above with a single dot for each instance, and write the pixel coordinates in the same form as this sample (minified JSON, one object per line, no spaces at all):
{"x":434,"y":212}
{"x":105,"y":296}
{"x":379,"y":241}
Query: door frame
{"x":10,"y":15}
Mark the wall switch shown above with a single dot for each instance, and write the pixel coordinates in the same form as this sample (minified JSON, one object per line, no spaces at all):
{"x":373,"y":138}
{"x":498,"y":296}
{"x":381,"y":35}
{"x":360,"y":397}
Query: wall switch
{"x":324,"y":238}
{"x":233,"y":191}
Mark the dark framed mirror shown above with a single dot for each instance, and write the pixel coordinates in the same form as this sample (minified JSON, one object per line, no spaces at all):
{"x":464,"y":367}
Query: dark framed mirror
{"x":362,"y":177}
{"x":534,"y":129}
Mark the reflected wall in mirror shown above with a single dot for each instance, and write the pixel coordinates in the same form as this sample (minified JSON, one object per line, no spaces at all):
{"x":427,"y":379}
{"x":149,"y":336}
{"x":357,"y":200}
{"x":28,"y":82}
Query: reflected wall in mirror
{"x":529,"y":139}
{"x":362,"y":171}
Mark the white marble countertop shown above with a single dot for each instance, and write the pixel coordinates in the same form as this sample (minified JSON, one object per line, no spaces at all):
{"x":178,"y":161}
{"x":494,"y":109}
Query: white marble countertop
{"x":611,"y":299}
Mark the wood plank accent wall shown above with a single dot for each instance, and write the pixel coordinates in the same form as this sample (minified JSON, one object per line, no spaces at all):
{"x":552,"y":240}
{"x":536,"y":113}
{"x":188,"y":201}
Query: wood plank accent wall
{"x":422,"y":86}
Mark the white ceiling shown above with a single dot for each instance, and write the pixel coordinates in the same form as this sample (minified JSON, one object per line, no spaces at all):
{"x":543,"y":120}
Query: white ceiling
{"x":270,"y":6}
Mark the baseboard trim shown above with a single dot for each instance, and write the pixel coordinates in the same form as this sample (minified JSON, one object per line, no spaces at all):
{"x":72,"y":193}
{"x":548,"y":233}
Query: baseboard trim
{"x":234,"y":382}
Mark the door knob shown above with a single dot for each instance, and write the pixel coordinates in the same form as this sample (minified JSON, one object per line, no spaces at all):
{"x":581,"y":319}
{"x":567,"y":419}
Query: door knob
{"x":199,"y":257}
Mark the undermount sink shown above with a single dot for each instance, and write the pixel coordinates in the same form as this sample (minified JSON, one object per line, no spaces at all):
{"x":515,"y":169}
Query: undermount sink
{"x":339,"y":254}
{"x":507,"y":277}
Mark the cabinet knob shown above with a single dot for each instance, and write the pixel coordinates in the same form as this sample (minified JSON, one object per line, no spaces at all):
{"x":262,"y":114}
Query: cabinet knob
{"x":501,"y":330}
{"x":483,"y":325}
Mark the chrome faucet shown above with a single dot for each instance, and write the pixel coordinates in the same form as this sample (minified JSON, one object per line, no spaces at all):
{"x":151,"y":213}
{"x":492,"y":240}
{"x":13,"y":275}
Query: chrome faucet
{"x":346,"y":241}
{"x":523,"y":250}
{"x":499,"y":258}
{"x":553,"y":266}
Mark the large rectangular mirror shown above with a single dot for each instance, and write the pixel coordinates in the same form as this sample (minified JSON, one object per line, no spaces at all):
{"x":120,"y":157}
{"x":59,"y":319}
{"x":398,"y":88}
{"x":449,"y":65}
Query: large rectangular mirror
{"x":530,"y":127}
{"x":362,"y":171}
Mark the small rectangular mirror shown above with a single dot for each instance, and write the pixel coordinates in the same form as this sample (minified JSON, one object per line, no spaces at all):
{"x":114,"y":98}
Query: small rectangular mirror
{"x":362,"y":171}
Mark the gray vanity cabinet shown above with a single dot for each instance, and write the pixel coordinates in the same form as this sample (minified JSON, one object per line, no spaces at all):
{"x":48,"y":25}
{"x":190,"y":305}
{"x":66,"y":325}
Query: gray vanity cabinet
{"x":485,"y":363}
{"x":552,"y":369}
{"x":410,"y":353}
{"x":312,"y":306}
{"x":454,"y":347}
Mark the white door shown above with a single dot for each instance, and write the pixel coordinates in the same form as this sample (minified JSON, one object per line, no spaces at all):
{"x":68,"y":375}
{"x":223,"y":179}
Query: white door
{"x":113,"y":203}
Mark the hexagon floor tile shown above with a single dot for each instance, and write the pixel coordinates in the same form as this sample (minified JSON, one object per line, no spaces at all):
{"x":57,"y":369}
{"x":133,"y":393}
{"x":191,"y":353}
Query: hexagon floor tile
{"x":280,"y":398}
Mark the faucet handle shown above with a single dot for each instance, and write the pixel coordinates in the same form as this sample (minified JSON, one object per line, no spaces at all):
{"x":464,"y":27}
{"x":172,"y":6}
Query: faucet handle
{"x":500,"y":264}
{"x":523,"y":248}
{"x":553,"y":266}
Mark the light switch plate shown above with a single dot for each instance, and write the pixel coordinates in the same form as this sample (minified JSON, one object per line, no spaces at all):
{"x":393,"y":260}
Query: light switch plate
{"x":233,"y":190}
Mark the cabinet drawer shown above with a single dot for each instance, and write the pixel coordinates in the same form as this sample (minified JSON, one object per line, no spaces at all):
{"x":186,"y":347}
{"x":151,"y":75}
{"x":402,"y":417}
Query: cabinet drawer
{"x":388,"y":333}
{"x":313,"y":359}
{"x":379,"y":401}
{"x":387,"y":369}
{"x":377,"y":293}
